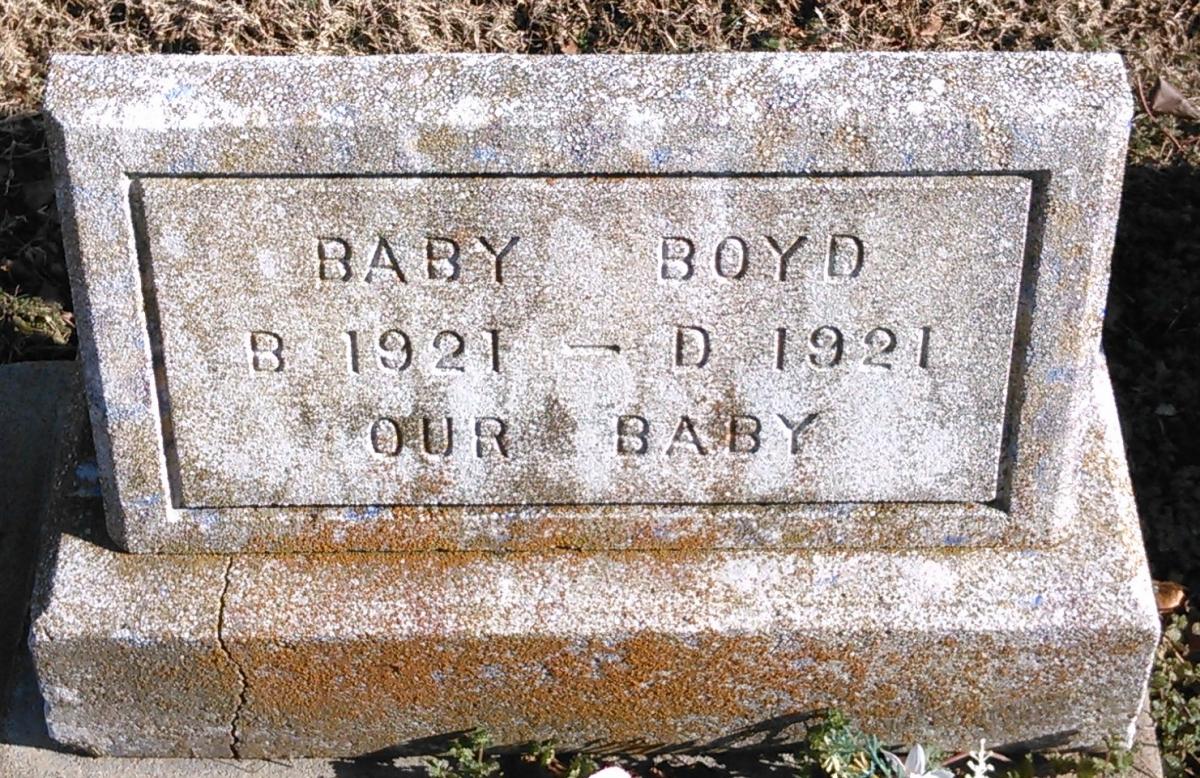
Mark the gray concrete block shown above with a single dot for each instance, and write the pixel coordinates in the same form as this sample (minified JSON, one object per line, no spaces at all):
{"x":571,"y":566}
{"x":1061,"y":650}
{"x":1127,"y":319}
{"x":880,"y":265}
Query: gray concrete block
{"x":345,"y":654}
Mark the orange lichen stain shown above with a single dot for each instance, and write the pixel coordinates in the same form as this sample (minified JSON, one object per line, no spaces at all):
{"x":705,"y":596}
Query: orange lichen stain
{"x":630,"y":687}
{"x":851,"y":138}
{"x":625,"y":688}
{"x":600,"y":528}
{"x":496,"y":528}
{"x":440,"y":142}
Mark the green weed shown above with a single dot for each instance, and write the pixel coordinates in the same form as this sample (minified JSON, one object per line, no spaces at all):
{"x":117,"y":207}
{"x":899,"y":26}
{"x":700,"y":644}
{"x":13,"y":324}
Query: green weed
{"x":466,"y":758}
{"x":1175,"y":697}
{"x":544,"y":755}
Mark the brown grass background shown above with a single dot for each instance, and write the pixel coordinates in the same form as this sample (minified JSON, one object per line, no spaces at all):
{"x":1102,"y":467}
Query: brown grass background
{"x":1152,"y":334}
{"x":1159,"y":37}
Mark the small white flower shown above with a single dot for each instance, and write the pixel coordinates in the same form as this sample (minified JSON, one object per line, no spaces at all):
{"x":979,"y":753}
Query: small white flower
{"x":980,"y":761}
{"x":611,"y":772}
{"x":915,"y":765}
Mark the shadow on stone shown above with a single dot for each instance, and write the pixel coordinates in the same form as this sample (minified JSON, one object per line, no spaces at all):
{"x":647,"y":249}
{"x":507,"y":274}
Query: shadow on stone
{"x":34,"y":397}
{"x":751,"y":750}
{"x":1150,"y":337}
{"x":24,"y":722}
{"x":368,"y":768}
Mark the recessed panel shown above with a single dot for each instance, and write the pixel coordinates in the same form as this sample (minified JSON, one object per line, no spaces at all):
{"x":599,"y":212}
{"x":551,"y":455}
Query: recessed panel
{"x":468,"y":340}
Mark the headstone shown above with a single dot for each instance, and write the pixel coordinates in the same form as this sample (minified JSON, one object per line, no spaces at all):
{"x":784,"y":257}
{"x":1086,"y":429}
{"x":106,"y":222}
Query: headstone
{"x":782,"y":371}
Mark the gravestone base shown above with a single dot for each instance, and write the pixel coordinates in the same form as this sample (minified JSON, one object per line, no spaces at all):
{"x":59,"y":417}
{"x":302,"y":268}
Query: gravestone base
{"x":346,"y":654}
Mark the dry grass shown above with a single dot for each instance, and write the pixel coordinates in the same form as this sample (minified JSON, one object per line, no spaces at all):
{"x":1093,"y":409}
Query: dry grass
{"x":1159,"y":37}
{"x":1154,"y":313}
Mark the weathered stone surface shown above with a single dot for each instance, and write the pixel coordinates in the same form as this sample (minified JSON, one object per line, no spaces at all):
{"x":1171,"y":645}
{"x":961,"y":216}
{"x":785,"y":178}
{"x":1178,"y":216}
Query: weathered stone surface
{"x":24,"y":758}
{"x":782,"y":371}
{"x":340,"y":654}
{"x":127,"y":647}
{"x":227,"y":217}
{"x":582,"y":375}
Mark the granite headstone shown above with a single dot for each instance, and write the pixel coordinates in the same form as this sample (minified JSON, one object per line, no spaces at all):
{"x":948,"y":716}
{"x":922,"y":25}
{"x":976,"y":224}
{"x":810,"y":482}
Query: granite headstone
{"x":782,"y":371}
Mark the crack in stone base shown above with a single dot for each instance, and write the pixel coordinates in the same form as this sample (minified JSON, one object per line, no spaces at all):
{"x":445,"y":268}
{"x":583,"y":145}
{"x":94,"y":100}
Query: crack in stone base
{"x":235,"y":742}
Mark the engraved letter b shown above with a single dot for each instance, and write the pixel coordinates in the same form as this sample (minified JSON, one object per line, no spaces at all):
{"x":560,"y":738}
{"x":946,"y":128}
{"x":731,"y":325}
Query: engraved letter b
{"x":630,"y":429}
{"x":744,"y":434}
{"x":333,"y":259}
{"x":266,"y":352}
{"x":677,"y":256}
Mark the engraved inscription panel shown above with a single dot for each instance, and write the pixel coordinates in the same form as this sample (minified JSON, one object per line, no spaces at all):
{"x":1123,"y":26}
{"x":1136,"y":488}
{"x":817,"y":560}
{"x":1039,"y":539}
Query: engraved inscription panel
{"x":525,"y":340}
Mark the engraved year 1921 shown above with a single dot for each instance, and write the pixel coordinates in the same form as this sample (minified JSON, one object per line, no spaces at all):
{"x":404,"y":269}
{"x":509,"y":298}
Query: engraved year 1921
{"x":393,"y":350}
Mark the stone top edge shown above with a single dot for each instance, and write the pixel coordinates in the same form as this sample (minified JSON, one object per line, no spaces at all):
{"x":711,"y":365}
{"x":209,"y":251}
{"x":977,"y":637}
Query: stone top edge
{"x":1010,"y":80}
